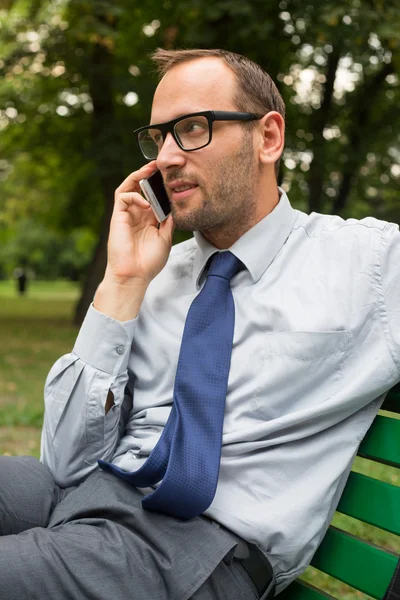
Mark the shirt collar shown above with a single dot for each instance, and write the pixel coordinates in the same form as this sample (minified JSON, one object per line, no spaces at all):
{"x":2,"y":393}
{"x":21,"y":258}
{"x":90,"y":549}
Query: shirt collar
{"x":257,"y":247}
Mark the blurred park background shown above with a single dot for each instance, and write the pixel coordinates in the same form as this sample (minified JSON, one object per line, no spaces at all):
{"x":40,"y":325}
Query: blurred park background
{"x":75,"y":80}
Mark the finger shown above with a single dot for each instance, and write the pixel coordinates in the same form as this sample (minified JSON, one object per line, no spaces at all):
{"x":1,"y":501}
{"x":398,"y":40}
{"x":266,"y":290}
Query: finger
{"x":167,"y":229}
{"x":131,"y":207}
{"x":131,"y":183}
{"x":127,"y":200}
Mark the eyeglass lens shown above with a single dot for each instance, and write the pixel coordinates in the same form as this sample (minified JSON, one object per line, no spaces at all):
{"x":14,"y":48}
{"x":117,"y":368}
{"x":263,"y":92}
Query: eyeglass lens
{"x":192,"y":133}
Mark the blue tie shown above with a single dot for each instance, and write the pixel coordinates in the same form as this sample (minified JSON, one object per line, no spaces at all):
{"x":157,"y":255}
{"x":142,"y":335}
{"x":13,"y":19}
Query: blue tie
{"x":188,"y":453}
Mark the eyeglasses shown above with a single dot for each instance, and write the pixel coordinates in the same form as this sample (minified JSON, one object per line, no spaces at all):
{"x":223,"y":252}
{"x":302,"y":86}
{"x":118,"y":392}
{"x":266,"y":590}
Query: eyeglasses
{"x":190,"y":132}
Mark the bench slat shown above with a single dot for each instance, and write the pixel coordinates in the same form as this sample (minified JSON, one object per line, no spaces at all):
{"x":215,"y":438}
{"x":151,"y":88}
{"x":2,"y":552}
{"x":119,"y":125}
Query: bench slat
{"x":382,"y":441}
{"x":372,"y":501}
{"x":342,"y":555}
{"x":355,"y":562}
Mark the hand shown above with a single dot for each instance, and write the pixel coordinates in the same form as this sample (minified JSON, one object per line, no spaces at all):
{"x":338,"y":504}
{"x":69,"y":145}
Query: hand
{"x":137,"y":249}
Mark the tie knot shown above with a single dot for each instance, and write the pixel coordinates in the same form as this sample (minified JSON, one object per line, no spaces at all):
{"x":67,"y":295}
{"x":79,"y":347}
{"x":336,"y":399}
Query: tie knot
{"x":225,"y":264}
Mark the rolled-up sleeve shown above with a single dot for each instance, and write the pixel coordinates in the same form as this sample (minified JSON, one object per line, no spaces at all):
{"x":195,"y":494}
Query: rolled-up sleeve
{"x":76,"y":431}
{"x":390,"y":272}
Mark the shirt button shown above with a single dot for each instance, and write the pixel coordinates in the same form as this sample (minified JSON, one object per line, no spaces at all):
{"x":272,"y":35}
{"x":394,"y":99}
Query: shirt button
{"x":120,"y":349}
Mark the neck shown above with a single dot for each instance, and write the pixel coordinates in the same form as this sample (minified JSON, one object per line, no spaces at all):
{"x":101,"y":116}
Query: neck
{"x":225,"y":235}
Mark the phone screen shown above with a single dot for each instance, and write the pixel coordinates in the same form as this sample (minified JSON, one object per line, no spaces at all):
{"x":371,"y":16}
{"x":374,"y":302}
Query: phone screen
{"x":157,"y":185}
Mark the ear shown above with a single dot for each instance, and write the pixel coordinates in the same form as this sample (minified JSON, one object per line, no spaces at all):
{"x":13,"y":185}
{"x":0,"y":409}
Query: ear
{"x":272,"y":129}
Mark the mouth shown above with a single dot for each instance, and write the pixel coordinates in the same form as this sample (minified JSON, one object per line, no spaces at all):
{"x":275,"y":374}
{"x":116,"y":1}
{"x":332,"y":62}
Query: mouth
{"x":182,"y":190}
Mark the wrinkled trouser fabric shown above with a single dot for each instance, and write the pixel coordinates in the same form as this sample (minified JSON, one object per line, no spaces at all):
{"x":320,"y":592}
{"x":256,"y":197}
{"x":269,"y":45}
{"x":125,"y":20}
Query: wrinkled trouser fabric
{"x":95,"y":542}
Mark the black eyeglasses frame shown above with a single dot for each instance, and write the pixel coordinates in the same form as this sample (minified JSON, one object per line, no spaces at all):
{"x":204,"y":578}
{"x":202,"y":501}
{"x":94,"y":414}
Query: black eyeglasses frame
{"x":211,"y":116}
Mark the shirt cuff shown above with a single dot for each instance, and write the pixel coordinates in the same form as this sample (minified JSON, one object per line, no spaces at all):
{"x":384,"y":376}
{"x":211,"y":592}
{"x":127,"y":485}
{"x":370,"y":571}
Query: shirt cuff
{"x":105,"y":343}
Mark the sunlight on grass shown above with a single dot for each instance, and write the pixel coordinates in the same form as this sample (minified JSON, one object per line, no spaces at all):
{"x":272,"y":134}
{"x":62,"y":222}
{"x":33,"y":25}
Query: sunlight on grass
{"x":44,"y":299}
{"x":20,"y":441}
{"x":336,"y":588}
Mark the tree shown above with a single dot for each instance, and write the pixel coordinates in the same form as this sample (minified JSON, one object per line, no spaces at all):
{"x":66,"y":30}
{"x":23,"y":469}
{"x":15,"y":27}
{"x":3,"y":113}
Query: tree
{"x":77,"y":80}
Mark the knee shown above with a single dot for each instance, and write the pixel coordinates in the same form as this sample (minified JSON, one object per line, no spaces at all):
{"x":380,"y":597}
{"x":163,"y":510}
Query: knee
{"x":26,"y":493}
{"x":13,"y":464}
{"x":25,"y":472}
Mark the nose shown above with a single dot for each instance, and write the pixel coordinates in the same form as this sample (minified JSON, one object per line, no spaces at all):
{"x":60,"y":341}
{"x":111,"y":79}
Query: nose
{"x":170,"y":155}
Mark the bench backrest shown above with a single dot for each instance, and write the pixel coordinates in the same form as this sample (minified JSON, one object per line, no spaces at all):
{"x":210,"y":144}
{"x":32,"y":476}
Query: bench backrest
{"x":350,"y":559}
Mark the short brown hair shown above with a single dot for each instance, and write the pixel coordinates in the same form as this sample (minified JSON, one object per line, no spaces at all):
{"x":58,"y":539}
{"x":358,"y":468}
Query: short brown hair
{"x":256,"y":92}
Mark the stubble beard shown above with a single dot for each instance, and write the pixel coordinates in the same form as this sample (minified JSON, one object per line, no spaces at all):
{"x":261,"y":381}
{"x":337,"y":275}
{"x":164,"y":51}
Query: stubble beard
{"x":229,"y":201}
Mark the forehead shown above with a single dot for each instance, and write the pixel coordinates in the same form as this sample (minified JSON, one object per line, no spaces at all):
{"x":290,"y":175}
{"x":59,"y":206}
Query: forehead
{"x":196,"y":85}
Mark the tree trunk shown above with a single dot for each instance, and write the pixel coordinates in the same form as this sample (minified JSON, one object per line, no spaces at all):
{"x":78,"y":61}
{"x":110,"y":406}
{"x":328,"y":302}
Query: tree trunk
{"x":319,"y":122}
{"x":106,"y":144}
{"x":366,"y":99}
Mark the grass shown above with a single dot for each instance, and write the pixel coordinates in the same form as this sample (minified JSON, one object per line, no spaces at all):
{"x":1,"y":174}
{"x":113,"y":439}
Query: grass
{"x":35,"y":331}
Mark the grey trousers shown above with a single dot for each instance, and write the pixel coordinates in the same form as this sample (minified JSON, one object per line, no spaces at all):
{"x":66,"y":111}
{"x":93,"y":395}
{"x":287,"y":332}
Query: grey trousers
{"x":95,"y":542}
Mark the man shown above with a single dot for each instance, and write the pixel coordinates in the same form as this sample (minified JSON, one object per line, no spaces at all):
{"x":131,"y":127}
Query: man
{"x":316,"y":344}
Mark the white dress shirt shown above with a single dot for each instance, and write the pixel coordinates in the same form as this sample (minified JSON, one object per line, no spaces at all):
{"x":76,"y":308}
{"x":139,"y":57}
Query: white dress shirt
{"x":316,"y":346}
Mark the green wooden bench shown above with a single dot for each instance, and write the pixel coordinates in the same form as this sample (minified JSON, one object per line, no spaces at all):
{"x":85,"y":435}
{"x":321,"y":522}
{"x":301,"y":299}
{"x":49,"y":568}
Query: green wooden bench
{"x":362,"y":565}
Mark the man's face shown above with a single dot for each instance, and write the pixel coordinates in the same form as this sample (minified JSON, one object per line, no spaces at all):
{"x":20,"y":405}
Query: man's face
{"x":222,"y":176}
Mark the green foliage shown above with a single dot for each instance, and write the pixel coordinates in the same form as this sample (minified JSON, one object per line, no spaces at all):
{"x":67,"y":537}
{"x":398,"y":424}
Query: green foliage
{"x":65,"y":138}
{"x":47,"y":253}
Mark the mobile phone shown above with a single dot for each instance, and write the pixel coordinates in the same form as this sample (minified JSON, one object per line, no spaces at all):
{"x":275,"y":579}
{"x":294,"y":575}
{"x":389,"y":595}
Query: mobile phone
{"x":154,"y":191}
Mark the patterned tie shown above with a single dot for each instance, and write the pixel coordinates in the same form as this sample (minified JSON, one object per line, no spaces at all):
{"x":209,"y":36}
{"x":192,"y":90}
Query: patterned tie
{"x":188,"y":453}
